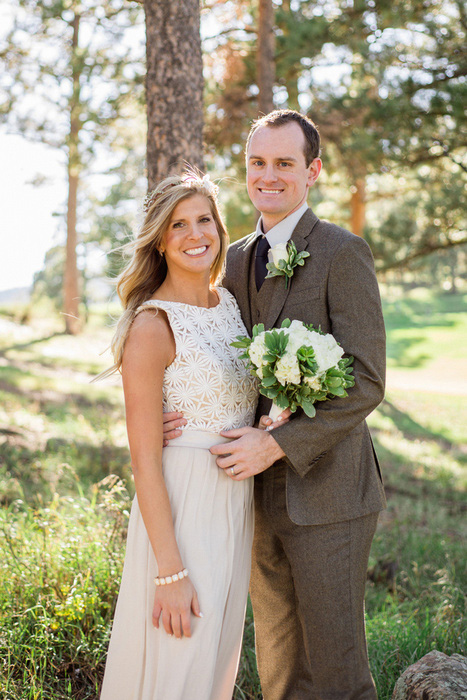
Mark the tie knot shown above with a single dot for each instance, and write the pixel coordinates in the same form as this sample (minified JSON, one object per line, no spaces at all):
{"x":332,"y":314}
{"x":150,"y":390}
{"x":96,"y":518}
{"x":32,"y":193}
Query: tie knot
{"x":262,"y":247}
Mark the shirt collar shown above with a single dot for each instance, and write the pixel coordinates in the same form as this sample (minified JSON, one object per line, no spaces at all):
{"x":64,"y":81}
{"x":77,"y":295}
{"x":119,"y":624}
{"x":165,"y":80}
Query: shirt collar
{"x":282,"y":232}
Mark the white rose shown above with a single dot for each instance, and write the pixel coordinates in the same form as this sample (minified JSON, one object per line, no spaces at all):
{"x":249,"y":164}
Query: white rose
{"x":259,"y":372}
{"x":279,"y":252}
{"x":327,"y":351}
{"x":287,"y":370}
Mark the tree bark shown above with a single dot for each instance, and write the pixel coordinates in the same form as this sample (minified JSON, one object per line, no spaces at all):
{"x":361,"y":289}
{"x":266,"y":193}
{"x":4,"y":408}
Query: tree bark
{"x":265,"y":65}
{"x":358,"y":205}
{"x":71,"y":274}
{"x":174,"y":87}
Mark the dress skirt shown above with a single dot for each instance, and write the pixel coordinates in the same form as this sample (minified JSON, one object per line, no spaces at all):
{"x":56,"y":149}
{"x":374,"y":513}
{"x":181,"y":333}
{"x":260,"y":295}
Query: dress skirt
{"x":213,"y":520}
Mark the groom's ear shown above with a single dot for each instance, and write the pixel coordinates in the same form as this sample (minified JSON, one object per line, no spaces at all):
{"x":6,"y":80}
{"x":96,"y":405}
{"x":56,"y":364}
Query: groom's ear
{"x":314,"y":170}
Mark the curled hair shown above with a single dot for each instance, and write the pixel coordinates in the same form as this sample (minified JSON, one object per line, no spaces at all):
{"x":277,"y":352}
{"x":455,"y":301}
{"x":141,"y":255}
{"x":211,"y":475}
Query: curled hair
{"x":147,"y":268}
{"x":280,"y":117}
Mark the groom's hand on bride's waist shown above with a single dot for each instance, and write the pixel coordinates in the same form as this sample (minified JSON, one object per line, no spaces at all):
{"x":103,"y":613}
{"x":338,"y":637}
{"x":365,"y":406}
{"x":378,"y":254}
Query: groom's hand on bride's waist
{"x":171,"y":424}
{"x":251,"y":452}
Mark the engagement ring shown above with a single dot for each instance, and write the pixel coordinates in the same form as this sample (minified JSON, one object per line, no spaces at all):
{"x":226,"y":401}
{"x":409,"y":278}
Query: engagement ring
{"x":232,"y":471}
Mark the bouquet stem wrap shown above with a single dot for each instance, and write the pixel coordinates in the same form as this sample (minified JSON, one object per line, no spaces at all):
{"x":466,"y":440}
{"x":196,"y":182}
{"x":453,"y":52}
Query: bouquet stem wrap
{"x":275,"y":412}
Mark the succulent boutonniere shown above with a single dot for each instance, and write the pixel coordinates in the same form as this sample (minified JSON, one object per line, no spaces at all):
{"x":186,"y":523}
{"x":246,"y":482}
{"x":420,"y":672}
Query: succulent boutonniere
{"x":285,"y":258}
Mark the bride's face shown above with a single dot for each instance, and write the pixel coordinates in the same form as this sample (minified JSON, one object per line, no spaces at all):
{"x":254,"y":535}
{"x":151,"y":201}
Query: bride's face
{"x":191,"y":242}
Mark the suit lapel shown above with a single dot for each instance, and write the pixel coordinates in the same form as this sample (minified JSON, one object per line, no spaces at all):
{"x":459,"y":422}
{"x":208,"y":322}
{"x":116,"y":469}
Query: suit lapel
{"x":277,"y":292}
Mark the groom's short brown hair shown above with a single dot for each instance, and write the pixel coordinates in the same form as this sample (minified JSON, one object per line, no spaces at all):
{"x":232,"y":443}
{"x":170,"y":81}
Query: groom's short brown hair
{"x":284,"y":116}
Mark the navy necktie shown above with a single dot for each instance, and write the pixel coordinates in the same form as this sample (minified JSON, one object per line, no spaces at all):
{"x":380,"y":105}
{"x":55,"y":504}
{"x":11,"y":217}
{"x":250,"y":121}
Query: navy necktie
{"x":261,"y":258}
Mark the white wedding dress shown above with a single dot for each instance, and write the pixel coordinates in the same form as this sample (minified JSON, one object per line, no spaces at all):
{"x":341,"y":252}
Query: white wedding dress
{"x":213,"y":519}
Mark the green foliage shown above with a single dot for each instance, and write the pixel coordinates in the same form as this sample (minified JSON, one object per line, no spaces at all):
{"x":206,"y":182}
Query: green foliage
{"x":385,"y":82}
{"x":43,"y":62}
{"x":75,"y":81}
{"x":60,"y":564}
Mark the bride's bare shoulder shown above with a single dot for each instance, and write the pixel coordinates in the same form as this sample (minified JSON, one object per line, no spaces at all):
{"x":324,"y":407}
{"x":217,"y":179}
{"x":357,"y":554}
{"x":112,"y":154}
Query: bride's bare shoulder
{"x":150,"y":338}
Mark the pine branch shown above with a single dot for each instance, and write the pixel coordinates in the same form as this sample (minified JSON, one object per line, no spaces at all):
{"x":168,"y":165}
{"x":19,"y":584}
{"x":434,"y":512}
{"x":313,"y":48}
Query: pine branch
{"x":420,"y":253}
{"x":231,"y":30}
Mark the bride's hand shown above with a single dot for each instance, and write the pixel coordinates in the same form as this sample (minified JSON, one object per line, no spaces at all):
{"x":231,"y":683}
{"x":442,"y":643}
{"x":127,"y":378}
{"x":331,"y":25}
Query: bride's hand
{"x":173,"y":605}
{"x":265,"y":422}
{"x":171,"y":424}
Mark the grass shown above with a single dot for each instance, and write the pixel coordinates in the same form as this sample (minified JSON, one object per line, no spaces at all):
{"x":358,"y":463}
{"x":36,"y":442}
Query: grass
{"x":426,"y":332}
{"x":421,"y":538}
{"x":61,"y":565}
{"x":63,"y":515}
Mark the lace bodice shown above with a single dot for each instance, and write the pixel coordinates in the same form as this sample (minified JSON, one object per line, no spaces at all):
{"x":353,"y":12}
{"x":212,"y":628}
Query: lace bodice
{"x":207,"y":381}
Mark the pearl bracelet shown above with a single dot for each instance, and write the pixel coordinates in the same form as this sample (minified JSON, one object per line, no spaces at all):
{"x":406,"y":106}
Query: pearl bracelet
{"x":165,"y":580}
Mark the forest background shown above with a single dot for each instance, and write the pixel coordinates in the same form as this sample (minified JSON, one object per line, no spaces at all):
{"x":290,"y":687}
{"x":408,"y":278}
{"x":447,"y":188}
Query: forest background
{"x":123,"y":93}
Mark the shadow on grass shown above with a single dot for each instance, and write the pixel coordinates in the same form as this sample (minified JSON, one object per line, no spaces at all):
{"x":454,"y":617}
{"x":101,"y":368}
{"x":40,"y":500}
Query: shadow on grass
{"x":404,"y":477}
{"x":418,"y":313}
{"x":400,"y":480}
{"x":25,"y":346}
{"x":66,"y":465}
{"x":66,"y":363}
{"x":398,"y":349}
{"x":48,"y":398}
{"x":411,"y":429}
{"x":409,"y":314}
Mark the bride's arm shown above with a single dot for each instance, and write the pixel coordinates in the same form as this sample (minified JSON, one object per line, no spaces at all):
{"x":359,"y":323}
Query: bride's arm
{"x":149,"y":348}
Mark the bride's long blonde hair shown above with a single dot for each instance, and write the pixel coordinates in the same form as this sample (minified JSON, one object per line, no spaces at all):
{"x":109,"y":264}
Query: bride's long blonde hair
{"x":147,"y":268}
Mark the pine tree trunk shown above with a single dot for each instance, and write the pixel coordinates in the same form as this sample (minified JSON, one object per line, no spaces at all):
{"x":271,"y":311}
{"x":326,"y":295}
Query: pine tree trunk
{"x":71,"y":274}
{"x":357,"y":203}
{"x":265,"y":57}
{"x":174,"y":87}
{"x":71,"y":282}
{"x":293,"y":72}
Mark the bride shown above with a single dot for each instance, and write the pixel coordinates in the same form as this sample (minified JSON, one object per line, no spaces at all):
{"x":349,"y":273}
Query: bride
{"x":179,"y":618}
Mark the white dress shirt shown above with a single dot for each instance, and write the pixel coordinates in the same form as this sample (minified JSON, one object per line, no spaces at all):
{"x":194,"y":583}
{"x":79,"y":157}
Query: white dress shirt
{"x":281,"y":232}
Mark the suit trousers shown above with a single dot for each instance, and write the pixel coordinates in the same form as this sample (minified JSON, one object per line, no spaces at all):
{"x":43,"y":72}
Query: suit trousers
{"x":307,"y":591}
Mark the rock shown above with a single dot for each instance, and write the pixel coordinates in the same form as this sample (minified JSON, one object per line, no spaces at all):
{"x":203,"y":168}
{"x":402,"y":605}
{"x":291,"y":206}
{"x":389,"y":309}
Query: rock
{"x":436,"y":676}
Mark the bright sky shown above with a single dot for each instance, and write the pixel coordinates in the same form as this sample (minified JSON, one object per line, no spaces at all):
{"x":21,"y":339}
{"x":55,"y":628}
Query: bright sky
{"x":28,"y":228}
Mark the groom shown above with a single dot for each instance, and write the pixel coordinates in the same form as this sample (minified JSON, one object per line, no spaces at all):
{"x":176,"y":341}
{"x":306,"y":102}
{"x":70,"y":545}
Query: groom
{"x":318,"y":487}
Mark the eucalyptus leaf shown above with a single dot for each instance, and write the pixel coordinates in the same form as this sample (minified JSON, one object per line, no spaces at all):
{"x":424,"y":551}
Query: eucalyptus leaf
{"x":338,"y":391}
{"x":309,"y":409}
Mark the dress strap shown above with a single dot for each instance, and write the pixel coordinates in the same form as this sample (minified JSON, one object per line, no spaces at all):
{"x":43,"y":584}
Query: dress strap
{"x":154,"y":304}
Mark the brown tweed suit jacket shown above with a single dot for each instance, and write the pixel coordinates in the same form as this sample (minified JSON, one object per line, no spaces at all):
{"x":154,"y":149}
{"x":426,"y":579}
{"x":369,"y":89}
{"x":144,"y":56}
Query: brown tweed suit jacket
{"x":333,"y":473}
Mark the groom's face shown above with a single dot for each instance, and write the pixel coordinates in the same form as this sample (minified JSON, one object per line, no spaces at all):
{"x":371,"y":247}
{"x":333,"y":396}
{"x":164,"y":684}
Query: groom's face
{"x":278,"y":178}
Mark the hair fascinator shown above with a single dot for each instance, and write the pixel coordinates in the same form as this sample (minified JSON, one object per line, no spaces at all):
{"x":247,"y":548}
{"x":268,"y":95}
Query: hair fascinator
{"x":190,"y":179}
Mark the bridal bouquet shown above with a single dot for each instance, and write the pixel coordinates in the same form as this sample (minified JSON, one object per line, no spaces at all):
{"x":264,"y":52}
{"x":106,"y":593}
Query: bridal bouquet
{"x":297,"y":365}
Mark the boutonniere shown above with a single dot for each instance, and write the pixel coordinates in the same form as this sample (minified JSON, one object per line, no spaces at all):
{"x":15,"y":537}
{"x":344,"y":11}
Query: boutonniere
{"x":285,"y":258}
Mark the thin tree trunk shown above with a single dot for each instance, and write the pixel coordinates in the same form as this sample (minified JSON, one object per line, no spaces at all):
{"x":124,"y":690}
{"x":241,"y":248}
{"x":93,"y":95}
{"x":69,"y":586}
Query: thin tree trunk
{"x":358,"y":206}
{"x":292,"y":75}
{"x":174,"y":87}
{"x":71,"y":275}
{"x":265,"y":57}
